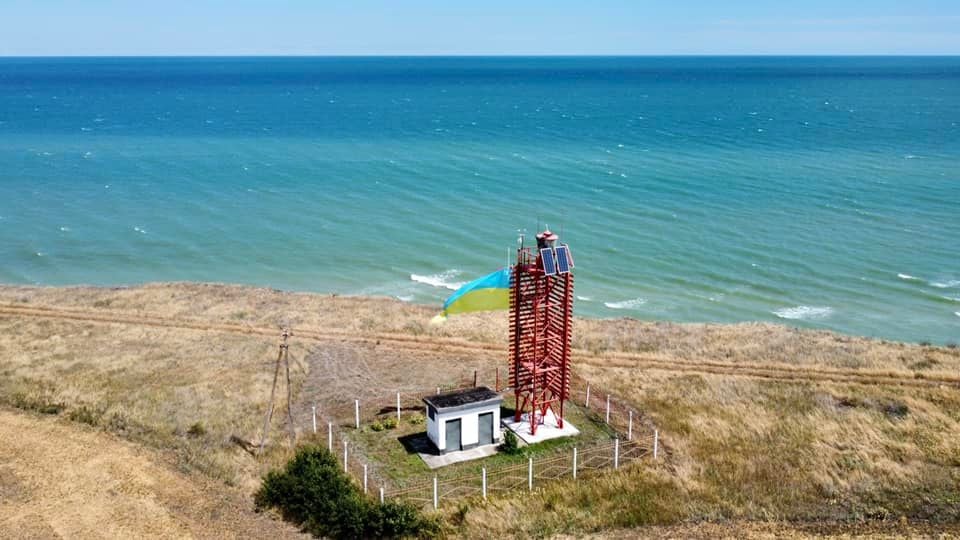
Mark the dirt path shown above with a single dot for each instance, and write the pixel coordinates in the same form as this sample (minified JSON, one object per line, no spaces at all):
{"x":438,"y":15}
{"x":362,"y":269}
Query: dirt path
{"x":61,"y":480}
{"x":430,"y":343}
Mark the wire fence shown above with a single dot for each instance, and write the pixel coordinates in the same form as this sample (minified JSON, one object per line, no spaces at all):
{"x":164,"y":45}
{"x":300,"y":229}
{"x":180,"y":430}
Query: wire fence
{"x":633,"y":437}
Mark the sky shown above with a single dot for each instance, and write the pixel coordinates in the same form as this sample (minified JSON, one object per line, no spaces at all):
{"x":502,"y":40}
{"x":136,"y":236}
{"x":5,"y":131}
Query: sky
{"x":488,"y":27}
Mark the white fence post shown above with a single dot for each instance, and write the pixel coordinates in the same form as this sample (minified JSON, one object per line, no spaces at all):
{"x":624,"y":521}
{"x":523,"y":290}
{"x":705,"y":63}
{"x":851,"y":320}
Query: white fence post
{"x":345,"y":457}
{"x":530,"y":474}
{"x":574,"y":462}
{"x":435,"y":499}
{"x":330,"y":436}
{"x":586,"y":403}
{"x":616,"y":453}
{"x":484,"y":483}
{"x":608,"y":408}
{"x":438,"y":390}
{"x":364,"y":478}
{"x":381,"y":494}
{"x":356,"y":412}
{"x":630,"y":426}
{"x":656,"y":443}
{"x":398,"y":407}
{"x":314,"y":418}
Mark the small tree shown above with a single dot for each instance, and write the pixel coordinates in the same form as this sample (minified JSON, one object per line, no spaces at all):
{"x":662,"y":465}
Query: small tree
{"x":510,"y":444}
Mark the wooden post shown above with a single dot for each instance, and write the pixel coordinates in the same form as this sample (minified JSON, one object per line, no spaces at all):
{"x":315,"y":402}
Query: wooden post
{"x":484,"y":483}
{"x":656,"y":443}
{"x":574,"y":462}
{"x":530,"y":474}
{"x":356,"y":412}
{"x":630,"y":426}
{"x":345,"y":457}
{"x":364,"y":478}
{"x":314,"y":418}
{"x":497,"y":385}
{"x":398,"y":407}
{"x":435,"y":498}
{"x":474,"y":378}
{"x":586,"y":402}
{"x":381,"y":494}
{"x":616,"y":453}
{"x":330,"y":436}
{"x":608,"y":408}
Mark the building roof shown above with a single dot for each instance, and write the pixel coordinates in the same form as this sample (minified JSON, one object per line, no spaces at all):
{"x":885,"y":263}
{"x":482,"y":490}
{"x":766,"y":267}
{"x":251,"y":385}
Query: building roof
{"x":463,"y":399}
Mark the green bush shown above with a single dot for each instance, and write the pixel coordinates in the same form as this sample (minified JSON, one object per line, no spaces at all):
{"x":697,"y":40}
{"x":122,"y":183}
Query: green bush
{"x":510,"y":444}
{"x":416,"y":419}
{"x":390,"y":423}
{"x":313,"y":490}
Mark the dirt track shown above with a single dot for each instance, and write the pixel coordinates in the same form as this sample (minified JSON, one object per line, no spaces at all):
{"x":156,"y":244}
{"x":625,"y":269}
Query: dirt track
{"x":418,"y":343}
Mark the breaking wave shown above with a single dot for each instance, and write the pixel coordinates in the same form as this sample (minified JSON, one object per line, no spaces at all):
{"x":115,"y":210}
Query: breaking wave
{"x":803,"y":312}
{"x":626,"y":304}
{"x":443,"y":280}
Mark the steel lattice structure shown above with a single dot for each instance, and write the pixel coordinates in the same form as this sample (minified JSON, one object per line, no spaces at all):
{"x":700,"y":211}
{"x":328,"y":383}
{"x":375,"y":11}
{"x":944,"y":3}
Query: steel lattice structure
{"x":541,"y":312}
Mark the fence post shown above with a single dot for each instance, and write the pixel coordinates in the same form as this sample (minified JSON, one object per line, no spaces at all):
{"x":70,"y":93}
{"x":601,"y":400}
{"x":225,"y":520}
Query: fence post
{"x":586,"y":403}
{"x":656,"y":443}
{"x":438,"y":390}
{"x":381,"y":494}
{"x":398,"y":407}
{"x":356,"y":412}
{"x":530,"y":474}
{"x":630,"y":426}
{"x":435,"y":500}
{"x":616,"y":453}
{"x":474,"y":378}
{"x":608,"y":408}
{"x":364,"y":478}
{"x":345,"y":457}
{"x":574,"y":462}
{"x":484,"y":483}
{"x":330,"y":436}
{"x":314,"y":418}
{"x":497,"y":385}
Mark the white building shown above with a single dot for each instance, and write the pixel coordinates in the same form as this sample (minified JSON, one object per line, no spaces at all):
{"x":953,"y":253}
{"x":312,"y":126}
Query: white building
{"x":463,"y":419}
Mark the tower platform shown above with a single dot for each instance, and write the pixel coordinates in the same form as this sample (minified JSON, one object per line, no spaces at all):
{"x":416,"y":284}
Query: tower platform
{"x":546,"y":430}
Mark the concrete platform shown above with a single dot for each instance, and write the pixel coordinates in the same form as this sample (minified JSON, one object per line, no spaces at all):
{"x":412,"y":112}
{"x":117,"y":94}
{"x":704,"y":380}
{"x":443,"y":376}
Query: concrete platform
{"x":545,"y":431}
{"x":421,"y":445}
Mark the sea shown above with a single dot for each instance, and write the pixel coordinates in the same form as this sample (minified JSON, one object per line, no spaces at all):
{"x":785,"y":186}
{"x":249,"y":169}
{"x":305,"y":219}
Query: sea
{"x":820,"y":192}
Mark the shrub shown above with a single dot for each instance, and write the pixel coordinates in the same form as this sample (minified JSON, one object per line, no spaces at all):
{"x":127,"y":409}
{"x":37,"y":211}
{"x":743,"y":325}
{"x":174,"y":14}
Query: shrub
{"x":376,"y":426}
{"x":416,"y":419}
{"x":197,"y":430}
{"x":86,"y":415}
{"x":390,"y":423}
{"x":510,"y":444}
{"x":313,"y":490}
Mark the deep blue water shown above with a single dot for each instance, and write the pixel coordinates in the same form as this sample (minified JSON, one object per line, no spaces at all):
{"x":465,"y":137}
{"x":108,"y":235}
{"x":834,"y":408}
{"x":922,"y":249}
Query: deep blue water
{"x":821,"y":192}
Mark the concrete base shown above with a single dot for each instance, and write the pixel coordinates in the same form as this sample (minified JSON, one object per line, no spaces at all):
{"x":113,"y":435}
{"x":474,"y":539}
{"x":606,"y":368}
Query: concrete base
{"x":435,"y":461}
{"x":546,"y":430}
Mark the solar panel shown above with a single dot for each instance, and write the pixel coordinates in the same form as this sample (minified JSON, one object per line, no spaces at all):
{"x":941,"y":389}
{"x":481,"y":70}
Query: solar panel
{"x":549,"y":262}
{"x":563,"y":260}
{"x":567,"y":253}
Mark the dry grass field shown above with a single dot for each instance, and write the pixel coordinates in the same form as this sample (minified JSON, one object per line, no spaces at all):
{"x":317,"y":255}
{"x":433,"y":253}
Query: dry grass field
{"x":766,"y":430}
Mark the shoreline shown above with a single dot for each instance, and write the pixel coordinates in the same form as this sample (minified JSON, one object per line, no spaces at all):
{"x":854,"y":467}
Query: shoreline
{"x":782,"y":322}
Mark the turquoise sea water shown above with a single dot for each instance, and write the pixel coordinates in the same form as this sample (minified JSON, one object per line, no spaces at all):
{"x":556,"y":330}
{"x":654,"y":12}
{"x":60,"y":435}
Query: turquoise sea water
{"x":820,"y":192}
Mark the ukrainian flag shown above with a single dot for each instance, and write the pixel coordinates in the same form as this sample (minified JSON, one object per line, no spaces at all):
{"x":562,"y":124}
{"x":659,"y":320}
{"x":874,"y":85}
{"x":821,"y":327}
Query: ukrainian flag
{"x":491,"y":292}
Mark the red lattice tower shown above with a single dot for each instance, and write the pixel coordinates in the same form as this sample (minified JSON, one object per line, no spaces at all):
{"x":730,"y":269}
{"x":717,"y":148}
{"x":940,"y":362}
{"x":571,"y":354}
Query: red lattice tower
{"x":541,"y":313}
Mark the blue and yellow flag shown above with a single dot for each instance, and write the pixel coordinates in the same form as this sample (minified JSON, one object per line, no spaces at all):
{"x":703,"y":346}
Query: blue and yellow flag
{"x":491,"y":292}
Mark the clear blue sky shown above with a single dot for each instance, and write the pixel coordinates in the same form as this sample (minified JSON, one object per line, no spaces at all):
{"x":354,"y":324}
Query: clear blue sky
{"x":441,"y":27}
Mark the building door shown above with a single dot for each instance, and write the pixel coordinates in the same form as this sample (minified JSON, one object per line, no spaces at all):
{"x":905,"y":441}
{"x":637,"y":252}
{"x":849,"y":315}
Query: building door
{"x":486,"y":428}
{"x":453,"y":435}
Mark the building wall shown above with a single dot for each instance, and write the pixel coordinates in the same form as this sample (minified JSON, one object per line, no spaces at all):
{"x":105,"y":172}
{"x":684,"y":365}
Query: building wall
{"x":469,"y":425}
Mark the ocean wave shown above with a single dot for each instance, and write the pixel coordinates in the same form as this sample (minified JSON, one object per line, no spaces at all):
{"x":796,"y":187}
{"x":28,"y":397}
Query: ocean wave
{"x":441,"y":280}
{"x":945,"y":284}
{"x":908,"y":277}
{"x":803,"y":312}
{"x":584,"y":298}
{"x":404,"y":297}
{"x":626,"y":304}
